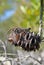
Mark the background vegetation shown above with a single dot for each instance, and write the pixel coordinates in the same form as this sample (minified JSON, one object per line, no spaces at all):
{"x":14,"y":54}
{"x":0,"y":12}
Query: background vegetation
{"x":27,"y":15}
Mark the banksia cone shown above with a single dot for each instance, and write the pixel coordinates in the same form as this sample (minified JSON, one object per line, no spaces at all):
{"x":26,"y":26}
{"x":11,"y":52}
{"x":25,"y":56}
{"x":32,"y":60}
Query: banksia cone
{"x":25,"y":38}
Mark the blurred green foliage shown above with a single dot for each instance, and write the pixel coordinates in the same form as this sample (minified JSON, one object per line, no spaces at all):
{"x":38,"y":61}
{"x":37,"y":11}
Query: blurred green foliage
{"x":26,"y":15}
{"x":4,"y":6}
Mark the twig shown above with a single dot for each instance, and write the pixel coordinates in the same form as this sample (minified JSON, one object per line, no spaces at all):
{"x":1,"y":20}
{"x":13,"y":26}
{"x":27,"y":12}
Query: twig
{"x":32,"y":58}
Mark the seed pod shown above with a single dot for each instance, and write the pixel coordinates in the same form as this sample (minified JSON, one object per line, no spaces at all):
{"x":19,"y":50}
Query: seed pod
{"x":24,"y":38}
{"x":13,"y":38}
